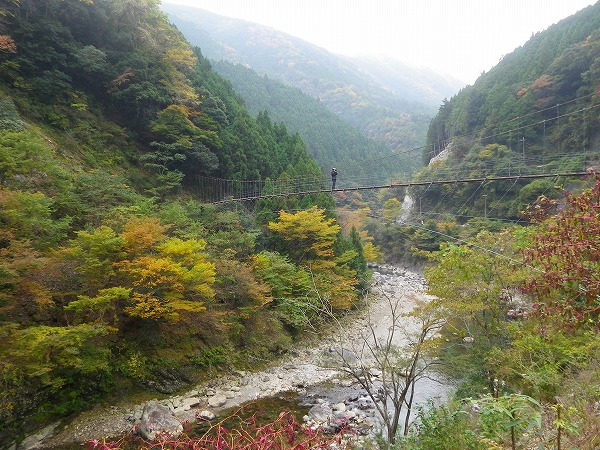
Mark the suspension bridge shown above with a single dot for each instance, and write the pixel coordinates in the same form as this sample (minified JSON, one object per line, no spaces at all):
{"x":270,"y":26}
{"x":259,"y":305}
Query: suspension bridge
{"x":219,"y":191}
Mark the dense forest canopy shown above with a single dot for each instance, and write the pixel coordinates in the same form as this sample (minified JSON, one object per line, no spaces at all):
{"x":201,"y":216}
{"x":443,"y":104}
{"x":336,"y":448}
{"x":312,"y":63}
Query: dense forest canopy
{"x":537,"y":109}
{"x":116,"y":279}
{"x":125,"y":58}
{"x":113,"y":275}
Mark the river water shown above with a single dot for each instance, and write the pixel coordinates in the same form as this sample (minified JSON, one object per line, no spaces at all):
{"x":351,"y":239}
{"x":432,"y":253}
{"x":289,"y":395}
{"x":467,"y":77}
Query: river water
{"x":302,"y":379}
{"x":309,"y":377}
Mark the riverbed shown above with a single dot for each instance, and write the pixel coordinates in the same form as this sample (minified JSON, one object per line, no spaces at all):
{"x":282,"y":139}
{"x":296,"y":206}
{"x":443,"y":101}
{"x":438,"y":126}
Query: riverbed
{"x":306,"y":370}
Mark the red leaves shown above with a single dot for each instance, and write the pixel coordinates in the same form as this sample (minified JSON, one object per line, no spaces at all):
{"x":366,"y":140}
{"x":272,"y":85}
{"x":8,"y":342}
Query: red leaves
{"x":95,"y":444}
{"x":567,"y":250}
{"x":7,"y":44}
{"x":284,"y":433}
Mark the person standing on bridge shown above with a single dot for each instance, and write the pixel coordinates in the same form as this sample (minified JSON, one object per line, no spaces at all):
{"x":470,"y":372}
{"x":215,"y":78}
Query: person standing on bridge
{"x":333,"y":177}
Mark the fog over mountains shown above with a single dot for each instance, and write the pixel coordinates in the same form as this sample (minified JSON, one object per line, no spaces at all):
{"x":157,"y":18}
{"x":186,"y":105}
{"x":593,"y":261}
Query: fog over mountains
{"x":387,"y":101}
{"x":279,"y":54}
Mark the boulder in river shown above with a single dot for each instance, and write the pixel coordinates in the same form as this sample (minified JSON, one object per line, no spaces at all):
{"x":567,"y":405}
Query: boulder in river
{"x":338,"y":356}
{"x":157,"y":419}
{"x":217,"y":400}
{"x":321,"y":412}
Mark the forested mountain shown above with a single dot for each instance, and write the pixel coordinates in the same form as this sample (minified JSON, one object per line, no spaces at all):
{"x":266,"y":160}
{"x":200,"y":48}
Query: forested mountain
{"x":514,"y":264}
{"x":339,"y":83}
{"x":537,"y":109}
{"x":330,"y":140}
{"x":114,"y":277}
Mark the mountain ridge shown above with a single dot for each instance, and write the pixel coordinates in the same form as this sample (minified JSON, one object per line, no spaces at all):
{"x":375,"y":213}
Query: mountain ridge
{"x":217,"y":28}
{"x":343,"y":87}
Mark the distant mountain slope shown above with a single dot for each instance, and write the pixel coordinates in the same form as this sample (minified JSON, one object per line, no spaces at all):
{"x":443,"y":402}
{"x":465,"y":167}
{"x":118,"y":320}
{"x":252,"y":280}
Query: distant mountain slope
{"x":417,"y":84}
{"x":329,"y":139}
{"x":351,"y":93}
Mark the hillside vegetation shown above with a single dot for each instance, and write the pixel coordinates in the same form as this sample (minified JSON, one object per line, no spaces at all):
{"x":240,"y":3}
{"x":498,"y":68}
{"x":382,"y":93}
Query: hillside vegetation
{"x":514,"y":264}
{"x":534,"y":112}
{"x":116,"y":280}
{"x":340,"y":84}
{"x":113,"y":276}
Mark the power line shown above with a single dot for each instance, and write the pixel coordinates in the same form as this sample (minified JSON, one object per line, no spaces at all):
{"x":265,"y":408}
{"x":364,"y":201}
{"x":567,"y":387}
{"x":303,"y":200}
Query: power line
{"x":399,"y":184}
{"x":479,"y":247}
{"x":449,"y":237}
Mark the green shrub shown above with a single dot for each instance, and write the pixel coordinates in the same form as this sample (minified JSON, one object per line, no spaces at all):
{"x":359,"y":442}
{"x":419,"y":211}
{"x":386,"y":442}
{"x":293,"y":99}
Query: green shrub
{"x":210,"y":357}
{"x":444,"y":427}
{"x":9,"y":117}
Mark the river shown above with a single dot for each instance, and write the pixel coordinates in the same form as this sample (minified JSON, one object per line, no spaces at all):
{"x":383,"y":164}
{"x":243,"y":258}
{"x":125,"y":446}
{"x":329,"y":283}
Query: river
{"x":307,"y":371}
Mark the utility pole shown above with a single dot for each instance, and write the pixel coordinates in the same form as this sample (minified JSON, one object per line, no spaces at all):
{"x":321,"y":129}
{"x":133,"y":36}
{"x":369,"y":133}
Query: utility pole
{"x":523,"y":139}
{"x":485,"y":206}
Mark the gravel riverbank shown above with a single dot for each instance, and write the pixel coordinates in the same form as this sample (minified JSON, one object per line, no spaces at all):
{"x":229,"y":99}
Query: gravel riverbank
{"x":303,"y":370}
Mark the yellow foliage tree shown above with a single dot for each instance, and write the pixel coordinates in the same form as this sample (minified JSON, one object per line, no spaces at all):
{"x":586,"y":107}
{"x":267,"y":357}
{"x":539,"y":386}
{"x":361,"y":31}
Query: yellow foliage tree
{"x":356,"y":218}
{"x":371,"y":252}
{"x":19,"y":266}
{"x":95,"y":252}
{"x":309,"y":236}
{"x":391,"y":209}
{"x":141,"y":233}
{"x":175,"y":278}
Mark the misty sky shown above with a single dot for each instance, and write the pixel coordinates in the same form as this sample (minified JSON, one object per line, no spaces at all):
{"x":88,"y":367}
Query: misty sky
{"x":459,"y":37}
